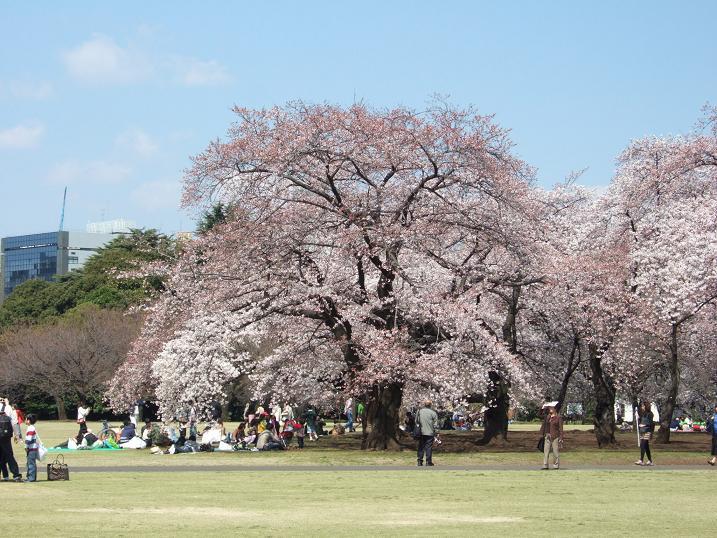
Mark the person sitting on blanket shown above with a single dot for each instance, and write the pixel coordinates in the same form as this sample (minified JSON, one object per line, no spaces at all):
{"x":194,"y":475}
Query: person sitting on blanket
{"x":213,"y":434}
{"x":250,"y":437}
{"x":268,"y":440}
{"x":128,"y":432}
{"x":262,"y":422}
{"x":89,"y":440}
{"x":146,"y":429}
{"x":219,"y":425}
{"x":237,"y":436}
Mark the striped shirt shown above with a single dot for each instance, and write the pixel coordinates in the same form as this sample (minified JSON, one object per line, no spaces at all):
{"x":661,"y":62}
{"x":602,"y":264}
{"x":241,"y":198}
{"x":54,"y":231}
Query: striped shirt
{"x":31,"y":438}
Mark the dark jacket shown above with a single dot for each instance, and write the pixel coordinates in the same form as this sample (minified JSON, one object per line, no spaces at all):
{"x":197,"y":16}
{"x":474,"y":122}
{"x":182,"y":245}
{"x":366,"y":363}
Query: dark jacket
{"x":710,"y":424}
{"x":647,"y":424}
{"x":127,"y":433}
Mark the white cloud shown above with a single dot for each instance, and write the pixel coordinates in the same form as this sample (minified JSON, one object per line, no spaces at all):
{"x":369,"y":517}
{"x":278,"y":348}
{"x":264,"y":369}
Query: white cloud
{"x":26,"y":89}
{"x":194,"y":72}
{"x":100,"y":60}
{"x":156,"y":195}
{"x":137,"y":141}
{"x":73,"y":171}
{"x":25,"y":135}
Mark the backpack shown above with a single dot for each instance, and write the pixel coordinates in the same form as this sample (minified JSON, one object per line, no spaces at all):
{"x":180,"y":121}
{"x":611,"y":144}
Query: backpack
{"x":5,"y":427}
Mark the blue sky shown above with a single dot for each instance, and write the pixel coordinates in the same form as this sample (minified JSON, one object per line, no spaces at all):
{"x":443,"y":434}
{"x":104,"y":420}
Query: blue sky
{"x":111,"y":99}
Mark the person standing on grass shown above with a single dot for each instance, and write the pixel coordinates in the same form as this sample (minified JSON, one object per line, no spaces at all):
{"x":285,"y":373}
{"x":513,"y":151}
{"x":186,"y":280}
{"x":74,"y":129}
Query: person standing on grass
{"x":82,"y":414}
{"x":31,"y":446}
{"x":712,"y":427}
{"x":8,"y":433}
{"x":349,"y":412}
{"x":300,"y":433}
{"x":309,"y":420}
{"x":646,"y":426}
{"x":552,"y":430}
{"x":361,"y":414}
{"x":427,"y":419}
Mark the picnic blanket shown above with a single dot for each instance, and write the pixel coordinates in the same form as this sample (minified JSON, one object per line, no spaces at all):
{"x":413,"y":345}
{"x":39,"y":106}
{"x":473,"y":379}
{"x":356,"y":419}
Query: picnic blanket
{"x":79,"y":450}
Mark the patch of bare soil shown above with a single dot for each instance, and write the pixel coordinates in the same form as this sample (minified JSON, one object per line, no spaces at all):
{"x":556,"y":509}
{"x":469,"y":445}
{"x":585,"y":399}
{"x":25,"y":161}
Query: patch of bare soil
{"x":526,"y":441}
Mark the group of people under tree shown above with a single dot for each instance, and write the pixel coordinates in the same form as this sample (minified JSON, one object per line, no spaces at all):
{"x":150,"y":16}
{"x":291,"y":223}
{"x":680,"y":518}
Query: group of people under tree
{"x":273,"y":429}
{"x":270,"y":428}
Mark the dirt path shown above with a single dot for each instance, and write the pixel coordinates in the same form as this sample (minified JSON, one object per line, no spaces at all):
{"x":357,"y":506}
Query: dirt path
{"x":372,"y":468}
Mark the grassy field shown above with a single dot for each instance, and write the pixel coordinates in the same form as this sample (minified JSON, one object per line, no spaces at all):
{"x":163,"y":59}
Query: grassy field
{"x":370,"y":503}
{"x":579,"y":449}
{"x":223,"y":496}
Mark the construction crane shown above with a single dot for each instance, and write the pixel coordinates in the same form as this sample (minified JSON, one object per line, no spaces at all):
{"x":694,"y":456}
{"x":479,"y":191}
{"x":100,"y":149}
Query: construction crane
{"x":62,"y":215}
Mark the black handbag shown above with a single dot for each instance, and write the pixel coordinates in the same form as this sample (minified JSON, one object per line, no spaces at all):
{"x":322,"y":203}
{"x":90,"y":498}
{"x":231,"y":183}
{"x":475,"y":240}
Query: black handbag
{"x":58,"y":470}
{"x":416,"y":433}
{"x":541,"y":444}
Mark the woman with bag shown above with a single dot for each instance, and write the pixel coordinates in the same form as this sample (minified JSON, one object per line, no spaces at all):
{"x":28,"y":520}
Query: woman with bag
{"x":552,"y":433}
{"x":646,"y":427}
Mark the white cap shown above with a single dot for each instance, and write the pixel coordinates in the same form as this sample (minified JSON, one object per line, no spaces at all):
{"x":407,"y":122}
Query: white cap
{"x":550,"y":404}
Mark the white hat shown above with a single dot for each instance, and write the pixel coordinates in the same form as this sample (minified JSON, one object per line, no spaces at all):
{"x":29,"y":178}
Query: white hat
{"x":550,"y":404}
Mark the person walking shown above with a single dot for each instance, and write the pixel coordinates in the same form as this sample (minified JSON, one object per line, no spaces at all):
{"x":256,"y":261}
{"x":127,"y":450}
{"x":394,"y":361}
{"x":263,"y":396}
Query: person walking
{"x":427,"y":420}
{"x":552,"y":432}
{"x":712,"y":427}
{"x":646,"y":426}
{"x":8,"y":433}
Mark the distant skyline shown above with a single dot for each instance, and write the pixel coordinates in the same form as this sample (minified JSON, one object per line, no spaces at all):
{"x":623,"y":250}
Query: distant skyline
{"x":112,"y":100}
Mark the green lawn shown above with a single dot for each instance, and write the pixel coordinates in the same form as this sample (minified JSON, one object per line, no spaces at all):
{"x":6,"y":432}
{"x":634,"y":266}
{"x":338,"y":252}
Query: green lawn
{"x":325,"y":452}
{"x":221,"y":499}
{"x":370,"y":503}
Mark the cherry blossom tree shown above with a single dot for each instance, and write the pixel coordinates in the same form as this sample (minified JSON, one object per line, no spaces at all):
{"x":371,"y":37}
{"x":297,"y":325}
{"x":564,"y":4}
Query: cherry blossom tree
{"x":362,"y":243}
{"x":666,"y":189}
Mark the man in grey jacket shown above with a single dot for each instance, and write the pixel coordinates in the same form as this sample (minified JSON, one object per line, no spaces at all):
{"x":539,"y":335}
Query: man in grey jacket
{"x":427,"y":419}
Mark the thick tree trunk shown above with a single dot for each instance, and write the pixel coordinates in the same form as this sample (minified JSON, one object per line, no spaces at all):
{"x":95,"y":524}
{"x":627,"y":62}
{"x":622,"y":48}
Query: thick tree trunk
{"x":605,"y":400}
{"x":61,"y":410}
{"x":663,"y":434}
{"x":381,"y":420}
{"x":495,"y":421}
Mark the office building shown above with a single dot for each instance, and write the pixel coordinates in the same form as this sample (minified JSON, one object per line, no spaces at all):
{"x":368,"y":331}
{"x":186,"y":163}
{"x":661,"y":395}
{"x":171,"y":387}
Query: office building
{"x":45,"y":255}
